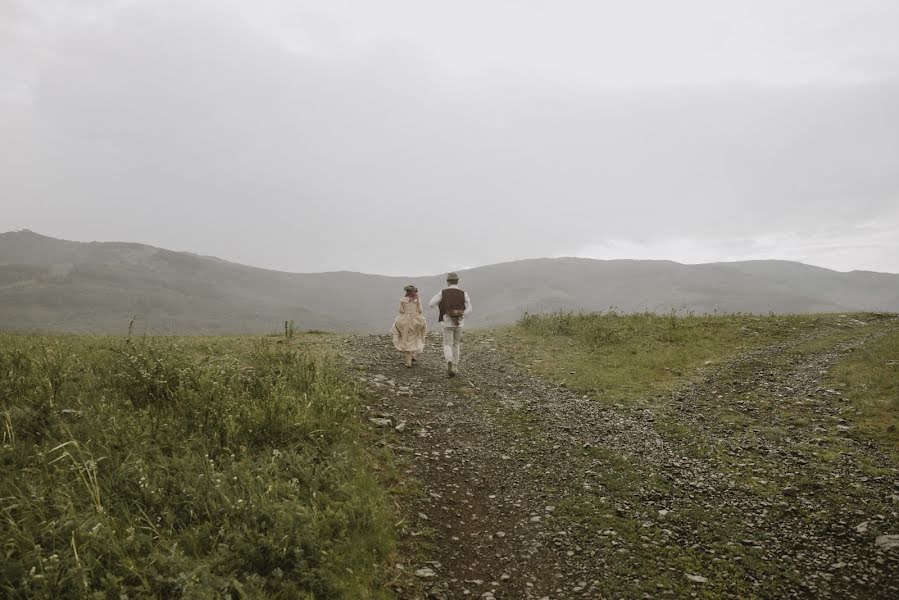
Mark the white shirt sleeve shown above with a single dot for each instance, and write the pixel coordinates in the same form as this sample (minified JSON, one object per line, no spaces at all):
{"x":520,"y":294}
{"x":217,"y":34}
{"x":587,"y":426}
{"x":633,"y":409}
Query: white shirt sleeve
{"x":436,"y":299}
{"x":467,"y":305}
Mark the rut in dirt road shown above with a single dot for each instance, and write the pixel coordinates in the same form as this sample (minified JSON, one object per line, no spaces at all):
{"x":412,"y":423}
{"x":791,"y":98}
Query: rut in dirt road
{"x":532,"y":491}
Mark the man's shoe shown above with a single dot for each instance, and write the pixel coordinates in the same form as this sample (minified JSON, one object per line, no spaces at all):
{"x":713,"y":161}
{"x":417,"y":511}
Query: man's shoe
{"x":450,"y":371}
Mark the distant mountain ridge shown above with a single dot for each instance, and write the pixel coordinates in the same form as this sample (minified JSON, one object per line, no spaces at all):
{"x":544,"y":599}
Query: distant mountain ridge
{"x":50,"y":284}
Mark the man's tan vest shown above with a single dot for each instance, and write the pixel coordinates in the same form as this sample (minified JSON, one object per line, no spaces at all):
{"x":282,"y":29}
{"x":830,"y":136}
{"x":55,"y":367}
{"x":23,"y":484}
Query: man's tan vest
{"x":451,"y":299}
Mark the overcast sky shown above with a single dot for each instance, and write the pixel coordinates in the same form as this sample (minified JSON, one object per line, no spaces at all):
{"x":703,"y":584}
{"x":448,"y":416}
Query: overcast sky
{"x":411,"y":137}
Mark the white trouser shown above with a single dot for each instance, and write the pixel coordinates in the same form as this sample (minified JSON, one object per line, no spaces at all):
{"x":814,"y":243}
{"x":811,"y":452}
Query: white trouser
{"x":452,"y":338}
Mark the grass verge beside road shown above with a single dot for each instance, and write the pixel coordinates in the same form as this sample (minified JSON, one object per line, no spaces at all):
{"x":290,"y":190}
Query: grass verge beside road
{"x":626,"y":359}
{"x":870,"y":379}
{"x":771,"y":450}
{"x":185,"y":467}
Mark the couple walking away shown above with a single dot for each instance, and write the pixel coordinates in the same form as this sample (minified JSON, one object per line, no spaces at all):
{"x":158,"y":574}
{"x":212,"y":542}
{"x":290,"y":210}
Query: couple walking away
{"x":410,"y":328}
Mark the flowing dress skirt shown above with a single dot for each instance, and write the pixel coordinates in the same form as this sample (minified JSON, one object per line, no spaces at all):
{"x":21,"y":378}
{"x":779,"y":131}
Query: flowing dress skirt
{"x":409,"y":331}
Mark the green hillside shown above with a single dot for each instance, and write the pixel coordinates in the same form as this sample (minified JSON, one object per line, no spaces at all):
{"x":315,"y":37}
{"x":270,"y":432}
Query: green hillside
{"x":55,"y":285}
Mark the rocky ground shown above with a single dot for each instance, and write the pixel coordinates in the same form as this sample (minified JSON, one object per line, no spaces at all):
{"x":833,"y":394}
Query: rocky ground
{"x":747,"y":481}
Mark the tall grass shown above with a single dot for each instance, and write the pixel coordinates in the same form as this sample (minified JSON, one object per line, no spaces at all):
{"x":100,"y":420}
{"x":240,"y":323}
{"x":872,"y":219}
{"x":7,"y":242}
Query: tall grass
{"x":183,"y":468}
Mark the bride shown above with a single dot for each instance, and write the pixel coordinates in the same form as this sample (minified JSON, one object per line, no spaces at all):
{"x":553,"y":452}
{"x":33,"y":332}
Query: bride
{"x":410,"y":327}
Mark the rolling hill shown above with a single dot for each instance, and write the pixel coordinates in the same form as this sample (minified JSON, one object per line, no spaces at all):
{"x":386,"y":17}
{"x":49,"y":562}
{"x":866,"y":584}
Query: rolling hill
{"x":50,"y":284}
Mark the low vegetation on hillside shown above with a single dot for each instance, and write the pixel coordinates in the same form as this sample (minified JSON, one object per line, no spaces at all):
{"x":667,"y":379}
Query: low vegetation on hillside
{"x":870,"y":378}
{"x":804,"y":423}
{"x":634,"y":360}
{"x":625,"y":358}
{"x":184,"y":467}
{"x":208,"y":467}
{"x":50,"y":285}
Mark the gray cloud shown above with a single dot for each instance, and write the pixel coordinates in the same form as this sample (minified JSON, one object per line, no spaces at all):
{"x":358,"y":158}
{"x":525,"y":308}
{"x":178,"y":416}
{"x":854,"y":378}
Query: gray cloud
{"x":324,"y":142}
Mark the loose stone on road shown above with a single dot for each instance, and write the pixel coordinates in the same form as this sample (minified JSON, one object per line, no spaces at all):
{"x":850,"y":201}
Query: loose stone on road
{"x":516,"y":498}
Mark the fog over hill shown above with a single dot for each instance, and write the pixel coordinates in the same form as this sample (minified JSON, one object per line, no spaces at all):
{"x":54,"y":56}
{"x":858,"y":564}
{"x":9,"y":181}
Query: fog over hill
{"x":59,"y":285}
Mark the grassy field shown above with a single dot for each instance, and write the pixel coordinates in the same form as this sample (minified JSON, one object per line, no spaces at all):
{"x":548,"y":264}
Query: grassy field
{"x":185,"y":467}
{"x":870,"y":378}
{"x":635,"y":362}
{"x":208,"y":467}
{"x":629,"y":358}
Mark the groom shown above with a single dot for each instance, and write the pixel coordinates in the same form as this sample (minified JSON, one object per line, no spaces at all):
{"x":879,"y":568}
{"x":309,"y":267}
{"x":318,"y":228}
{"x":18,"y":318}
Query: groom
{"x":454,"y":304}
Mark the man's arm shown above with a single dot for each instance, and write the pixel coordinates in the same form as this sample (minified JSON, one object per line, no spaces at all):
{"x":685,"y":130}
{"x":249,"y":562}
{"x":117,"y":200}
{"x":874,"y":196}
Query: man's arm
{"x":467,"y":305}
{"x":436,"y":299}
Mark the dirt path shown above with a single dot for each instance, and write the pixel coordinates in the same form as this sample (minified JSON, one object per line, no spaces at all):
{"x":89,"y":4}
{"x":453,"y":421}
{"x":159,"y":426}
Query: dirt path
{"x":531,"y":491}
